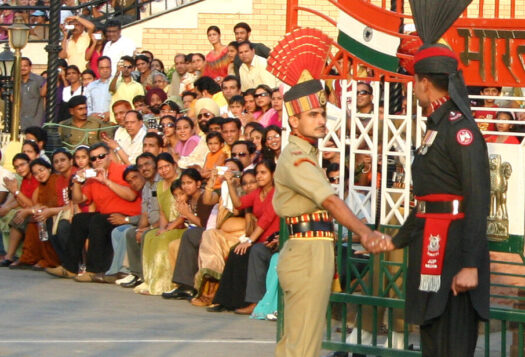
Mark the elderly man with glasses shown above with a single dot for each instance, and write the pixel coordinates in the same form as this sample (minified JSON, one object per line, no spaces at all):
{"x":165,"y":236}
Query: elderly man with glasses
{"x":103,"y":185}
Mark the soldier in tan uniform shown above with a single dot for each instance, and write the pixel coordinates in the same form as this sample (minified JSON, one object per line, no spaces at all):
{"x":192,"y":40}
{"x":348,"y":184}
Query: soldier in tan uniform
{"x":306,"y":199}
{"x":73,"y":137}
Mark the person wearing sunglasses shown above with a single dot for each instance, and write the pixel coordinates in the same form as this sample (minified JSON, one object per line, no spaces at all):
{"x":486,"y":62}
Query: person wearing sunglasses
{"x":123,"y":86}
{"x":111,"y":194}
{"x":364,"y":98}
{"x":244,"y":151}
{"x":263,"y":99}
{"x":167,"y":127}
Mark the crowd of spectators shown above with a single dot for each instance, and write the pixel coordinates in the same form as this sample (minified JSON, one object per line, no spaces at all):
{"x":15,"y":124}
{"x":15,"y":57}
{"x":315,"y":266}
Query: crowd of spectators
{"x":164,"y":183}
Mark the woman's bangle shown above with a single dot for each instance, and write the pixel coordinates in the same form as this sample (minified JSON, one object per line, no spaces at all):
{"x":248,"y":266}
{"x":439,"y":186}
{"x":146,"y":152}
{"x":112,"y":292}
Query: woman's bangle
{"x":244,"y":239}
{"x":208,"y":188}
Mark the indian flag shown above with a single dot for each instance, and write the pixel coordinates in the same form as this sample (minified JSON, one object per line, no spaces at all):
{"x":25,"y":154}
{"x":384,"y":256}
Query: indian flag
{"x":368,"y":44}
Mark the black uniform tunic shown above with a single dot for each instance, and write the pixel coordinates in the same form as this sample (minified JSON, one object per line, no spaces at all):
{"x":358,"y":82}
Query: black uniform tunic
{"x":455,"y":163}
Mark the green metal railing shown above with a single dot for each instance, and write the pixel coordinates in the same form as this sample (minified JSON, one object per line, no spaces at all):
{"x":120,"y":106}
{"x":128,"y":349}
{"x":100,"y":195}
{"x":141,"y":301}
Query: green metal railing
{"x":374,"y":288}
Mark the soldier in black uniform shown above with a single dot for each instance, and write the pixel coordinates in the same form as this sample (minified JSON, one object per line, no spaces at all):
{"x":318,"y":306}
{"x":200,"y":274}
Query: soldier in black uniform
{"x":448,"y":272}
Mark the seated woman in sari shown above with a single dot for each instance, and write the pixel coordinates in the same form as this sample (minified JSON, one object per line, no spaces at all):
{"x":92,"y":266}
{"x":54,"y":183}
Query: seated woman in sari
{"x":37,"y":251}
{"x":156,"y":263}
{"x":216,"y":243}
{"x":231,"y":294}
{"x":20,"y":197}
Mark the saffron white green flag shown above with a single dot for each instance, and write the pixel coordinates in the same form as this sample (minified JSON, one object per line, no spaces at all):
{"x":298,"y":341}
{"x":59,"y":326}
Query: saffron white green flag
{"x":368,"y":44}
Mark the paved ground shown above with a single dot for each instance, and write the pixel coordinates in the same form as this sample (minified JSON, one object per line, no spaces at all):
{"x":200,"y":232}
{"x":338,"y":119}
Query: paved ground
{"x":46,"y":316}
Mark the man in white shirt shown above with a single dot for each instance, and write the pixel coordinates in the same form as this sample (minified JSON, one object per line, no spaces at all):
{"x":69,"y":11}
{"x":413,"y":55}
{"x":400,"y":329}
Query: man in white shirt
{"x":131,"y":145}
{"x":253,"y":69}
{"x":117,"y":45}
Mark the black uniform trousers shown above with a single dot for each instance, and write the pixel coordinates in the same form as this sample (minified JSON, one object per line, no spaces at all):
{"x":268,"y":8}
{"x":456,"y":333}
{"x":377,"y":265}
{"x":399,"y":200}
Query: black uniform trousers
{"x":97,"y":228}
{"x":187,"y":263}
{"x":454,"y":333}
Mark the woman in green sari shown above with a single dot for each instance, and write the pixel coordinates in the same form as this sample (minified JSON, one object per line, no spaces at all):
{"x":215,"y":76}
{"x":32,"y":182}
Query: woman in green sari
{"x":157,"y":266}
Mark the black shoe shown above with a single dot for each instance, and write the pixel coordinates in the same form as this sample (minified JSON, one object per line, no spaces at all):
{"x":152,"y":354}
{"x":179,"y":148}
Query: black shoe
{"x":135,"y":282}
{"x":6,"y":262}
{"x":20,"y":266}
{"x":180,"y":294}
{"x":216,"y":308}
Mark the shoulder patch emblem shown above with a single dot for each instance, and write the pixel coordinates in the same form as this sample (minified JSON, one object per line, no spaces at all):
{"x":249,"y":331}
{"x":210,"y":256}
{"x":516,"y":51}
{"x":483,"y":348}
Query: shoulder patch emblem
{"x":454,"y":116}
{"x":465,"y":137}
{"x":300,"y":161}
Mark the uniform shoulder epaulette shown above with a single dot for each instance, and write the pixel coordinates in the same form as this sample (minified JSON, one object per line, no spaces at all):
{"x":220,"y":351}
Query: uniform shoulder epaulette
{"x":304,"y":159}
{"x":455,"y":116}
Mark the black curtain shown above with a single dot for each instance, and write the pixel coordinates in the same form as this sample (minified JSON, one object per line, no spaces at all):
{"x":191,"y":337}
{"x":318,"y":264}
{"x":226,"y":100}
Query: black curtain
{"x":434,"y":17}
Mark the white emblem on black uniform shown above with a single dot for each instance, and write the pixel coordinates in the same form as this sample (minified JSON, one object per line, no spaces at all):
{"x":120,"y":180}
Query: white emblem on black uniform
{"x":368,"y":33}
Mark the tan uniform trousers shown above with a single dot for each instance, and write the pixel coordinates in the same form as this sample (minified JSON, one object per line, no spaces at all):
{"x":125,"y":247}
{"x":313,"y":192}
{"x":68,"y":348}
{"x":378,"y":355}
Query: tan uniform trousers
{"x":305,"y":270}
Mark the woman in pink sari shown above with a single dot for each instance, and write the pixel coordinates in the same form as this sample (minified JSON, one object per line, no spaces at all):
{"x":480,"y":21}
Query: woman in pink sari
{"x":263,"y":99}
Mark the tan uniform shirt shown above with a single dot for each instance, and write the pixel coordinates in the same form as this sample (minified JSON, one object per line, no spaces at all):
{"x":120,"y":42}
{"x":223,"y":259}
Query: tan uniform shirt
{"x":301,"y":185}
{"x":74,"y":137}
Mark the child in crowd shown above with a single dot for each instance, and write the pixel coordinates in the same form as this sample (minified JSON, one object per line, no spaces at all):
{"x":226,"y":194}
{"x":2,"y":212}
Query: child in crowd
{"x":215,"y":124}
{"x":504,"y":128}
{"x":215,"y":157}
{"x":236,"y":106}
{"x":139,"y":103}
{"x":81,"y":157}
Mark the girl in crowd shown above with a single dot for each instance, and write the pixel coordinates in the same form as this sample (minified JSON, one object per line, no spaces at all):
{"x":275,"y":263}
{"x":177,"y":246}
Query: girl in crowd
{"x":250,"y":126}
{"x":272,"y":142}
{"x":156,"y":263}
{"x":256,"y":137}
{"x":233,"y":290}
{"x":74,"y":84}
{"x":277,"y":105}
{"x":94,"y":51}
{"x":47,"y":202}
{"x":31,"y":149}
{"x":217,"y":59}
{"x":504,"y":128}
{"x":250,"y":106}
{"x":186,"y":138}
{"x":263,"y":99}
{"x":81,"y":157}
{"x":195,"y":212}
{"x":20,"y":198}
{"x":217,"y":242}
{"x":167,"y":126}
{"x":63,"y":166}
{"x":157,"y":65}
{"x":232,"y":53}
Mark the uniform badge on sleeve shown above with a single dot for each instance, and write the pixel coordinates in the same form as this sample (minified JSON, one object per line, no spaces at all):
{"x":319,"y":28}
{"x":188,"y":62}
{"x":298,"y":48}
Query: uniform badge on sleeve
{"x":454,"y":116}
{"x":465,"y":137}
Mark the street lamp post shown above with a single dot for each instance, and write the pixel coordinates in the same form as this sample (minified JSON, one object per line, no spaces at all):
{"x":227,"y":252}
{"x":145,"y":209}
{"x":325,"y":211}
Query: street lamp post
{"x":6,"y":83}
{"x":18,"y":38}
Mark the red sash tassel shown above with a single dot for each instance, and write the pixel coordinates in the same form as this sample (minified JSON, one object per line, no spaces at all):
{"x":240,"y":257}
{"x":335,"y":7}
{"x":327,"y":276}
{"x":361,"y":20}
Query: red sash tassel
{"x":435,"y":241}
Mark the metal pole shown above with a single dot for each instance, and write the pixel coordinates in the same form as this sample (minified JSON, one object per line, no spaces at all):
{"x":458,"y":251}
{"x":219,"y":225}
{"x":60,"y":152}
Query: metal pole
{"x":15,"y":125}
{"x":53,"y":48}
{"x":7,"y":87}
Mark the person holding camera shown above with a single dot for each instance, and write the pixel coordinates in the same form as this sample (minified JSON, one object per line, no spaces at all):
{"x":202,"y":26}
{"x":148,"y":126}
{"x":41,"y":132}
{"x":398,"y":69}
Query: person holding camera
{"x":77,"y":37}
{"x":106,"y":188}
{"x":239,"y":288}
